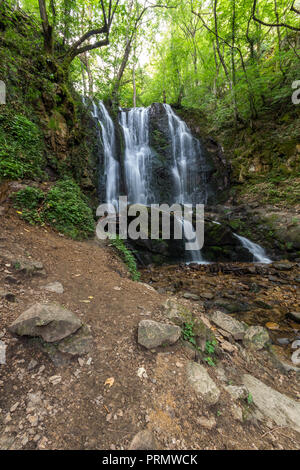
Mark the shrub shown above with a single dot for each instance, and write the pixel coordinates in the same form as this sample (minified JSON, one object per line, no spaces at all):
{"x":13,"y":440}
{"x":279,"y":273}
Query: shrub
{"x":64,"y":207}
{"x":67,"y":210}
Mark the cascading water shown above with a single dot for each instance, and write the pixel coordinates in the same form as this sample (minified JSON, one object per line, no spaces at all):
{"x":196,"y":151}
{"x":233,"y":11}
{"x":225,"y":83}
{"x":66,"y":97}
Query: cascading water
{"x":185,"y":150}
{"x":138,"y":154}
{"x":111,"y":164}
{"x":188,"y":186}
{"x":259,"y":254}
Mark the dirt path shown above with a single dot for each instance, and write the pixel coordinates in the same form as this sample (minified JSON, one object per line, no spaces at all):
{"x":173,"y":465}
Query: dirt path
{"x":81,"y":412}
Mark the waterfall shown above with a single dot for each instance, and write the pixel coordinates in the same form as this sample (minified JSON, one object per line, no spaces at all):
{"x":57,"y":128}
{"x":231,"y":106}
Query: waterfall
{"x":185,"y":150}
{"x":138,"y":154}
{"x":188,"y":168}
{"x":259,"y":254}
{"x":111,"y":164}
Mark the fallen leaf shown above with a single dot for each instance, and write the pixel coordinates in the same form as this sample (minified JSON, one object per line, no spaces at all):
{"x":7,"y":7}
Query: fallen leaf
{"x":272,"y":325}
{"x":110,"y":381}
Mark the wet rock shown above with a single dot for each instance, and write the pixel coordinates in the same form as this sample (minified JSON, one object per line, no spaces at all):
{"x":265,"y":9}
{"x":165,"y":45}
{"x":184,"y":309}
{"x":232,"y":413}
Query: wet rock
{"x":51,"y":322}
{"x":152,"y":334}
{"x":229,"y":324}
{"x":256,"y":338}
{"x":282,"y":266}
{"x":143,"y":440}
{"x":202,"y":383}
{"x":296,"y":357}
{"x":232,"y":307}
{"x":295,"y":316}
{"x":176,"y":312}
{"x":273,"y":405}
{"x":55,"y":287}
{"x":295,"y":344}
{"x":3,"y":347}
{"x":190,"y":296}
{"x":283,"y":341}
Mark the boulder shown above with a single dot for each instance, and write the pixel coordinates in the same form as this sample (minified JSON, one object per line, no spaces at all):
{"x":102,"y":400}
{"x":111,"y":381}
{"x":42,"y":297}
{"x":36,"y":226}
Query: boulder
{"x":256,"y":338}
{"x":272,"y":404}
{"x":152,"y":334}
{"x":77,"y":344}
{"x":51,"y":322}
{"x":229,"y":324}
{"x":202,"y":383}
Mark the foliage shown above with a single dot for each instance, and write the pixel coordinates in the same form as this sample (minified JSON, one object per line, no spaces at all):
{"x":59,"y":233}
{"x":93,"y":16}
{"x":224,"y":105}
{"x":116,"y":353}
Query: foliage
{"x":188,"y":332}
{"x":21,"y":147}
{"x":64,"y":207}
{"x":127,"y":256}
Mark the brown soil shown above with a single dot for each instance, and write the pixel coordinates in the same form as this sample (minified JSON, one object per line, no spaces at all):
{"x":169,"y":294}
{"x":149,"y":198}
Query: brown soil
{"x":81,"y":412}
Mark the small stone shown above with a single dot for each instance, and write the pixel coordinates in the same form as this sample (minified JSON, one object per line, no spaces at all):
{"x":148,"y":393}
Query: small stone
{"x":295,"y":344}
{"x":33,"y":420}
{"x":7,"y":418}
{"x":3,"y":347}
{"x":24,"y":441}
{"x":55,"y":287}
{"x":207,"y":423}
{"x":190,"y":296}
{"x":14,"y":407}
{"x":143,"y":440}
{"x":55,"y":379}
{"x":81,"y":362}
{"x":43,"y":443}
{"x":32,"y":364}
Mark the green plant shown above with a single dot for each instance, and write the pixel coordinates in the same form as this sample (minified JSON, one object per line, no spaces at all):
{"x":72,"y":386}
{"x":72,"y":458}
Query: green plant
{"x":127,"y":256}
{"x":188,"y":333}
{"x":210,"y":349}
{"x":29,"y":198}
{"x":66,"y":209}
{"x":249,"y":399}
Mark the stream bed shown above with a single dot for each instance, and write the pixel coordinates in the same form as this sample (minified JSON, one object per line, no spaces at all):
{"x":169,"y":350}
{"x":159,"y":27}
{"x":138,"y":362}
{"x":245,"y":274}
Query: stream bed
{"x":258,"y":294}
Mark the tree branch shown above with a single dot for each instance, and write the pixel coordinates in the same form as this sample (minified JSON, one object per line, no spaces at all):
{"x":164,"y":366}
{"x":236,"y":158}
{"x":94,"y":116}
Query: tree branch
{"x":273,"y":25}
